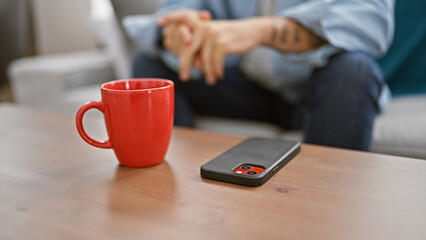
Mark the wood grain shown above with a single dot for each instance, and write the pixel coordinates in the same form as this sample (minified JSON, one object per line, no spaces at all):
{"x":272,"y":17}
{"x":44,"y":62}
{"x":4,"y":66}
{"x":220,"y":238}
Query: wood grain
{"x":55,"y":186}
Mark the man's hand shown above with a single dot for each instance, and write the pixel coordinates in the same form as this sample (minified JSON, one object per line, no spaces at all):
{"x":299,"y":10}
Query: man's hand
{"x":213,"y":41}
{"x":178,"y":35}
{"x":217,"y":39}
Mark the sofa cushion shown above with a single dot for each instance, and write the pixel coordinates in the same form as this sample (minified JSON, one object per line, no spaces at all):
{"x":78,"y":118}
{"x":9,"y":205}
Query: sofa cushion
{"x":79,"y":67}
{"x":402,"y":129}
{"x":42,"y":81}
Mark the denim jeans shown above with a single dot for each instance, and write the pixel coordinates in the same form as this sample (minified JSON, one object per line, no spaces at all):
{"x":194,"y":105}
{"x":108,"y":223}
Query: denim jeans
{"x":339,"y":111}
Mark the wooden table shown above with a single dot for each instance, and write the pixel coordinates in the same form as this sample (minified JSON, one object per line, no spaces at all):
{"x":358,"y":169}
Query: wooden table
{"x":55,"y":186}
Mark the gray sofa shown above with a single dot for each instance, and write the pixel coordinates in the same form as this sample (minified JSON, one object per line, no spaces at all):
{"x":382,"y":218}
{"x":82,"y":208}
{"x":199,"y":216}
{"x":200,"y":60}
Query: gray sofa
{"x":64,"y":82}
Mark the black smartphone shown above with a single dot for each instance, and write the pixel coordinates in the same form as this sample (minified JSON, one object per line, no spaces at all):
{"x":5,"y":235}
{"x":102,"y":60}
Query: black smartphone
{"x":252,"y":162}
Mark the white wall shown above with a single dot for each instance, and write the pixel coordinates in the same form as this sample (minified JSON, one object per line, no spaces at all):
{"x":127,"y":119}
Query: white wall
{"x":61,"y":26}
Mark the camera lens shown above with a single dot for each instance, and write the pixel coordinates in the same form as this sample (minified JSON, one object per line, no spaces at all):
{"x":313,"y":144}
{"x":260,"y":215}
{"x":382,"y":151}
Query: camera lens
{"x":251,"y":173}
{"x":245,"y":167}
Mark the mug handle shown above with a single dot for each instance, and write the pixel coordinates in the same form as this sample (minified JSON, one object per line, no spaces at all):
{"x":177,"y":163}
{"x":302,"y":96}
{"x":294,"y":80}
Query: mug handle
{"x":79,"y":122}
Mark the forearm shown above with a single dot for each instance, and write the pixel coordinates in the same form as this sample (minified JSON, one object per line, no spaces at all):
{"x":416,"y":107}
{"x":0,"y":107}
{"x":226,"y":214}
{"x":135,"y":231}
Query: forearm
{"x":286,"y":35}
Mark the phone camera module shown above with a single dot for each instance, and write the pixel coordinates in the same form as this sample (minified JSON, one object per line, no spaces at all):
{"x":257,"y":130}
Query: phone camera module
{"x":252,"y":173}
{"x":245,"y":167}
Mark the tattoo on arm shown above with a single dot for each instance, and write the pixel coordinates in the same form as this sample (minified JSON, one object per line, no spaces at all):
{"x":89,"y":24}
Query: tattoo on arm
{"x":297,"y":36}
{"x":289,"y":35}
{"x":284,"y":34}
{"x":274,"y":32}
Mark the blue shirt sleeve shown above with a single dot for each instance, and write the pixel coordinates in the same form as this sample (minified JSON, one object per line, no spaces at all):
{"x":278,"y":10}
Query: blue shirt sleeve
{"x":350,"y":25}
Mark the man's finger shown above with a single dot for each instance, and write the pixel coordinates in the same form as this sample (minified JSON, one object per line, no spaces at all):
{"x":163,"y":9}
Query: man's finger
{"x":184,"y":65}
{"x":188,"y":54}
{"x":207,"y":57}
{"x":205,"y":15}
{"x":185,"y":33}
{"x":218,"y":59}
{"x":167,"y":38}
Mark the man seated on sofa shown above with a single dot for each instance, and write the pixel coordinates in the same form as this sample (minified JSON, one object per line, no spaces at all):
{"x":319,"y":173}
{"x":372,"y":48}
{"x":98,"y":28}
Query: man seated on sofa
{"x":299,"y":64}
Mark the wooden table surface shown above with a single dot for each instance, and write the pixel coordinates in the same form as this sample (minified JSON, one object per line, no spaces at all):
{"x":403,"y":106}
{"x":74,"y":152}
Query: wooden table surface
{"x":55,"y":186}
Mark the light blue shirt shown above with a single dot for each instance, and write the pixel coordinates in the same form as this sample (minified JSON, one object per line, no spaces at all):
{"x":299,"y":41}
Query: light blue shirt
{"x":347,"y":25}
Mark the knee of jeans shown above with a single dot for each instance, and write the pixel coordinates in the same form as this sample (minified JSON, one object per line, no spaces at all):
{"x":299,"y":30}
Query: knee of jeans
{"x":140,"y":59}
{"x":353,"y":73}
{"x":146,"y":66}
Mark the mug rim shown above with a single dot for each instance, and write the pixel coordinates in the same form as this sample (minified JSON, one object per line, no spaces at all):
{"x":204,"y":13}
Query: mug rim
{"x":169,"y":84}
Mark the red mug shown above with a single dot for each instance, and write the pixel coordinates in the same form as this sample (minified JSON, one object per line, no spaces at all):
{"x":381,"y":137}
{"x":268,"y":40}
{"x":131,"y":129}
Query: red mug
{"x":138,"y":116}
